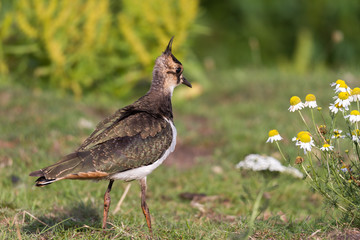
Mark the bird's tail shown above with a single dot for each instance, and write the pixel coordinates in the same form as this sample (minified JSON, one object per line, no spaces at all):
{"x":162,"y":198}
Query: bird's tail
{"x":56,"y":171}
{"x":72,"y":166}
{"x":41,"y":181}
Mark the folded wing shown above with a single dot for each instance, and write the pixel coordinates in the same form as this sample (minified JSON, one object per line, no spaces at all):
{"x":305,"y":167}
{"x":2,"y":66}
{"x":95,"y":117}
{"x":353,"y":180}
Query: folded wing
{"x":125,"y":142}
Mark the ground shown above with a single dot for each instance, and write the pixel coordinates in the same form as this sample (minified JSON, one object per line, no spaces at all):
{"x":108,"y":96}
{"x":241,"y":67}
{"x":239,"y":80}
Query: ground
{"x":196,"y":194}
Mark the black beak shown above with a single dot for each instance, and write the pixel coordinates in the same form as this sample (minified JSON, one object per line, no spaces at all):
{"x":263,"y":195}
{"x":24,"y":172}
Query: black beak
{"x":185,"y":82}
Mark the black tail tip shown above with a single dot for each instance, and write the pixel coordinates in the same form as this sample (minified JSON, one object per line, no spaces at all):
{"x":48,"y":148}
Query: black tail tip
{"x":42,"y":181}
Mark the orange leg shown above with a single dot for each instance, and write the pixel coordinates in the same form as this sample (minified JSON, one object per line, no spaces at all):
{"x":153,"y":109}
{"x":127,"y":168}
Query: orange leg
{"x":107,"y":201}
{"x":144,"y":206}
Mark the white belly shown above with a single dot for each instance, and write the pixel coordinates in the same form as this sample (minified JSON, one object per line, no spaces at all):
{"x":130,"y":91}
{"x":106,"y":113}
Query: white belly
{"x":141,"y":172}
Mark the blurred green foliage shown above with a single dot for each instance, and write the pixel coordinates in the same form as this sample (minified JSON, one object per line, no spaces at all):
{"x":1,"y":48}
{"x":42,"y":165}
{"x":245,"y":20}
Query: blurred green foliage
{"x":110,"y":46}
{"x":292,"y":35}
{"x":86,"y":45}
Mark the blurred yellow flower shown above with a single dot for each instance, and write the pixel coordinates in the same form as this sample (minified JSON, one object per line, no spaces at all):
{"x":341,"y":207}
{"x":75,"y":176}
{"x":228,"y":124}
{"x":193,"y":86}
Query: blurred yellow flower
{"x":338,"y":82}
{"x":334,"y":108}
{"x":326,"y":148}
{"x":305,"y":141}
{"x":354,"y":116}
{"x":274,"y":136}
{"x":355,"y":135}
{"x":340,"y":86}
{"x":310,"y":101}
{"x":355,"y":95}
{"x":295,"y":104}
{"x":297,"y":138}
{"x":343,"y":99}
{"x":337,"y":134}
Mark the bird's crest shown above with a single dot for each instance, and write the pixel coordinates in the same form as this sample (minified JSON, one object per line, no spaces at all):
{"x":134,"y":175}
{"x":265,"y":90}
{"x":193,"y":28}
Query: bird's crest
{"x":169,"y":47}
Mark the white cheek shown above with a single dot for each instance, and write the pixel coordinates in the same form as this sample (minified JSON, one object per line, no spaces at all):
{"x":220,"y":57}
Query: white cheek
{"x":171,"y":89}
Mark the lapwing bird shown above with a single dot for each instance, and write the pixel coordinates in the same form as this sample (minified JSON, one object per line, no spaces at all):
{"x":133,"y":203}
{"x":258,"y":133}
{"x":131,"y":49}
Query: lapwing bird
{"x":129,"y":144}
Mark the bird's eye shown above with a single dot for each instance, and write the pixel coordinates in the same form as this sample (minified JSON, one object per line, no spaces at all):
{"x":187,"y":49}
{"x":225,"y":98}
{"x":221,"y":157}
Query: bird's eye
{"x":178,"y":70}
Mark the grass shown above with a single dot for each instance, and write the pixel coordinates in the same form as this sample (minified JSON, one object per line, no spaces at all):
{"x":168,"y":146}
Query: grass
{"x":215,"y":131}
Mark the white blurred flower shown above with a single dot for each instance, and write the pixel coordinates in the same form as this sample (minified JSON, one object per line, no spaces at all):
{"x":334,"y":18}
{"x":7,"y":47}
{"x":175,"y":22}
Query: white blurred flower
{"x":257,"y":162}
{"x":355,"y":95}
{"x":337,"y":83}
{"x":341,"y":86}
{"x":354,"y":116}
{"x":334,"y":108}
{"x":295,"y":104}
{"x":310,"y":101}
{"x":355,"y":135}
{"x":304,"y":140}
{"x":274,"y":136}
{"x":327,"y":148}
{"x":342,"y":99}
{"x":337,"y":134}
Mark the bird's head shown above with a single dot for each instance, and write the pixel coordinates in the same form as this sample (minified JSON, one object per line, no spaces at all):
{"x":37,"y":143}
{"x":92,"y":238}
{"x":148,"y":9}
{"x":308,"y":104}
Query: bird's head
{"x":168,"y":71}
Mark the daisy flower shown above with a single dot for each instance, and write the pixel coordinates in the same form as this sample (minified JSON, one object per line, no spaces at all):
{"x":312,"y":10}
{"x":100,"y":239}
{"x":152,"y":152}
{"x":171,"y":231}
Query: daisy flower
{"x":337,"y":83}
{"x":310,"y":101}
{"x":295,"y":104}
{"x":274,"y":136}
{"x":343,"y":99}
{"x":297,"y":138}
{"x":342,"y":87}
{"x":326,"y":148}
{"x":305,"y":142}
{"x":334,"y":108}
{"x":355,"y":95}
{"x":354,"y":116}
{"x":355,"y":135}
{"x":337,"y":134}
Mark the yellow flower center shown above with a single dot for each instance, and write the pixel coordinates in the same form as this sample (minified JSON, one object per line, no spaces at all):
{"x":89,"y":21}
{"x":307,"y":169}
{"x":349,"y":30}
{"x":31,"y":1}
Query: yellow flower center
{"x":355,"y":91}
{"x":355,"y":112}
{"x":337,"y":133}
{"x":301,"y":134}
{"x":326,"y":145}
{"x":356,"y":132}
{"x":343,"y":85}
{"x":310,"y":98}
{"x":339,"y":81}
{"x":337,"y":105}
{"x":343,"y":95}
{"x":294,"y":100}
{"x":305,"y":138}
{"x":273,"y":132}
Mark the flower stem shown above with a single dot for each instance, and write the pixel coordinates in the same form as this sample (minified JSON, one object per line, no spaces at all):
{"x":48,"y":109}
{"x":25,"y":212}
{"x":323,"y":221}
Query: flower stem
{"x":307,"y":174}
{"x":277,"y":144}
{"x":315,"y":128}
{"x":304,"y":121}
